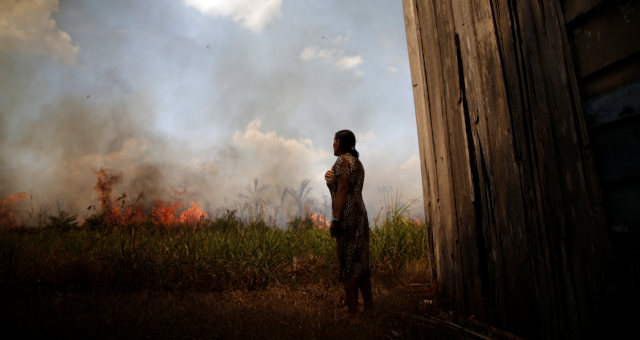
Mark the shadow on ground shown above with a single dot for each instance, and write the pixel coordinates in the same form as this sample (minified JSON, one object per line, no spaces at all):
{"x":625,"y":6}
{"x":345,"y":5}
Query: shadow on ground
{"x":279,"y":312}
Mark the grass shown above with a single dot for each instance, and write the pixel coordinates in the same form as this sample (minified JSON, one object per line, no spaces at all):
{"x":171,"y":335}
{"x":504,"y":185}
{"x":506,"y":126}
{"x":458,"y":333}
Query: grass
{"x":219,"y":278}
{"x":225,"y":253}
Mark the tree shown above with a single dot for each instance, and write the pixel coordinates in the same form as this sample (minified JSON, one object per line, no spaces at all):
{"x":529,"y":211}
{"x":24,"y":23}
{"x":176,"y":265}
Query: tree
{"x":253,"y":197}
{"x":300,"y":195}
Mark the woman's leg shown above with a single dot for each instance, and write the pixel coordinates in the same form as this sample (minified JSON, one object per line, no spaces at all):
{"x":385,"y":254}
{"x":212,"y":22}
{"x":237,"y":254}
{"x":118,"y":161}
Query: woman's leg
{"x":351,"y":298}
{"x":365,"y":288}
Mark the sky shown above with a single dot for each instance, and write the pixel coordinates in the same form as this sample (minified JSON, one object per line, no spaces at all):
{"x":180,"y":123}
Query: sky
{"x":194,"y":99}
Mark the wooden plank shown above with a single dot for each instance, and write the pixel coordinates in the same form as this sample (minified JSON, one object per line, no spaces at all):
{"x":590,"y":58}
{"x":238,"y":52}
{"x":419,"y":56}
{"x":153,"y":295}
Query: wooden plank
{"x":438,"y":73}
{"x":606,"y":38}
{"x":425,"y":133}
{"x":576,"y":8}
{"x":619,"y":75}
{"x":457,"y":116}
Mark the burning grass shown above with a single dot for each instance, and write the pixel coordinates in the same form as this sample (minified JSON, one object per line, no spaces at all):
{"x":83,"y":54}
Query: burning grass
{"x":128,"y":250}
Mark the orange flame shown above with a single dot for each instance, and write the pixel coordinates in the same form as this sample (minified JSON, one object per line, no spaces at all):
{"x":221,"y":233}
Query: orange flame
{"x":193,"y":215}
{"x":319,"y":221}
{"x":104,"y":187}
{"x":132,"y":214}
{"x":13,"y":198}
{"x":7,"y":214}
{"x":165,"y":213}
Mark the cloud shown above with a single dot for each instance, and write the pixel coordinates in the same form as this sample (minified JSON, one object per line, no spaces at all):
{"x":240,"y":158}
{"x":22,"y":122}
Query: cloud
{"x":333,"y":56}
{"x":27,"y":27}
{"x":313,"y":52}
{"x":253,"y":14}
{"x":392,"y":69}
{"x":349,"y":62}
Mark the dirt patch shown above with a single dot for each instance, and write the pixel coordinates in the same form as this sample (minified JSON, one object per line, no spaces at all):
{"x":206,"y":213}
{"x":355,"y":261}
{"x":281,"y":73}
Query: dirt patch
{"x":309,"y":311}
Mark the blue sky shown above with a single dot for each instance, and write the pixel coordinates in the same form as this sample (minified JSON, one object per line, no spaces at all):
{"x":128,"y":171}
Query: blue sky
{"x":202,"y":96}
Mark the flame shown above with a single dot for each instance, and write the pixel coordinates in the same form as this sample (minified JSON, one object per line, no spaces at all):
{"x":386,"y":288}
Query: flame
{"x":13,"y":198}
{"x":104,"y":187}
{"x":319,"y":221}
{"x":7,"y":214}
{"x":165,"y":213}
{"x":132,"y":214}
{"x":193,"y":215}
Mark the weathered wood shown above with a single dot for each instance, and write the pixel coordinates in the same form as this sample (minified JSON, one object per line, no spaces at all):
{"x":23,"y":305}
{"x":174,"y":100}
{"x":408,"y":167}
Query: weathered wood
{"x":606,"y":38}
{"x":510,"y":190}
{"x":575,"y":8}
{"x":423,"y":122}
{"x":616,"y":76}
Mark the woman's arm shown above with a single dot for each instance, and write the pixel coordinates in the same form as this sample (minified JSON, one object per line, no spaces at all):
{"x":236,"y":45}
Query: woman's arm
{"x":341,"y":196}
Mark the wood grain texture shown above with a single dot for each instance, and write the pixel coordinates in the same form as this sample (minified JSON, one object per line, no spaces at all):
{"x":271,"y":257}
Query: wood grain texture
{"x":510,"y":191}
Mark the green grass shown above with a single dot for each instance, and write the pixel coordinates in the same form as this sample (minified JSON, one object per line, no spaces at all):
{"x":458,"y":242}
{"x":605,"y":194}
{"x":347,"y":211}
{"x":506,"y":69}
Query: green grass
{"x":225,"y":253}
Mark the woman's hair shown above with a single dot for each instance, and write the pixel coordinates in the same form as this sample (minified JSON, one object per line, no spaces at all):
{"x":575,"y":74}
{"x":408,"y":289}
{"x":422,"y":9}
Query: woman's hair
{"x":347,"y":142}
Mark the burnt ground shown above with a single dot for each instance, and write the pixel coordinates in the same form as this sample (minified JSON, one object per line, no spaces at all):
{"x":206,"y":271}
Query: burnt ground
{"x":402,"y":311}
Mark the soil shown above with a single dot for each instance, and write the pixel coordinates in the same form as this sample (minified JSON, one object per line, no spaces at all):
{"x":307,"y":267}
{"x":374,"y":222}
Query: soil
{"x":401,"y":311}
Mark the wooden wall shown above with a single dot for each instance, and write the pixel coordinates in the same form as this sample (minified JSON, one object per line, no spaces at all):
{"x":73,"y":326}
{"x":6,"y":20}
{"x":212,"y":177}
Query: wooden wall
{"x":512,"y":199}
{"x":605,"y":40}
{"x":604,"y":37}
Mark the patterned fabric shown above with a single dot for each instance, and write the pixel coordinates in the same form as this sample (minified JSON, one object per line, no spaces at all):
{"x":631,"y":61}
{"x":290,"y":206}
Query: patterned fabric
{"x":353,"y":244}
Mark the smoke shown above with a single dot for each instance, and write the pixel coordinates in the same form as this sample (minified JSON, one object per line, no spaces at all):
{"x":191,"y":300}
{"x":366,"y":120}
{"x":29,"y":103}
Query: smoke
{"x":192,"y":108}
{"x":56,"y":156}
{"x":27,"y":26}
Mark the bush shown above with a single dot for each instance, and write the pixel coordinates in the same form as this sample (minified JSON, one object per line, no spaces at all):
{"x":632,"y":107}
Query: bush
{"x":64,"y":221}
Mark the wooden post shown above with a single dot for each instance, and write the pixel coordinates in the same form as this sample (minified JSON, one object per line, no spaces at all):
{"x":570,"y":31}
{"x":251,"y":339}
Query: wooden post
{"x":511,"y":197}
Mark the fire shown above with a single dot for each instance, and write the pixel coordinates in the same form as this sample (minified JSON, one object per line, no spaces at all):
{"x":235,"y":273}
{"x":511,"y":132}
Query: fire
{"x":7,"y":214}
{"x":104,"y":187}
{"x":165,"y":213}
{"x":319,"y":221}
{"x":192,"y":215}
{"x":132,"y":214}
{"x":120,"y":212}
{"x":13,"y":198}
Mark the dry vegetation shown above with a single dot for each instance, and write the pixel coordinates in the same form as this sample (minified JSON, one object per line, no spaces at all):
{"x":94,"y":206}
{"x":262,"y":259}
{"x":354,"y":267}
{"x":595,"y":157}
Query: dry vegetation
{"x":218,"y":278}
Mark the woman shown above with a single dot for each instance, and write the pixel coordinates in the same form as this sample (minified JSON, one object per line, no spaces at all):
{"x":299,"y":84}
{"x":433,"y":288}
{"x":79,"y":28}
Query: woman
{"x":350,"y":225}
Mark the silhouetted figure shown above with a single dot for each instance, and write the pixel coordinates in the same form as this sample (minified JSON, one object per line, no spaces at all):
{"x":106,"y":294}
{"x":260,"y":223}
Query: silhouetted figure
{"x":350,"y":225}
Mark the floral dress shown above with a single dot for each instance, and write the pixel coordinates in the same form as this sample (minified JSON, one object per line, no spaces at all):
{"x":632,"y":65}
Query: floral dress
{"x":353,"y":244}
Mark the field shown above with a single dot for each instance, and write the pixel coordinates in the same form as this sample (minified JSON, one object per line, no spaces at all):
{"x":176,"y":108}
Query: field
{"x":219,"y":278}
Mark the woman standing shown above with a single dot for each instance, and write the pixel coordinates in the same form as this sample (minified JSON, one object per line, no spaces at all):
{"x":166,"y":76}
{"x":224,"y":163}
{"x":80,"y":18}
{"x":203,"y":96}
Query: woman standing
{"x":350,"y":225}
